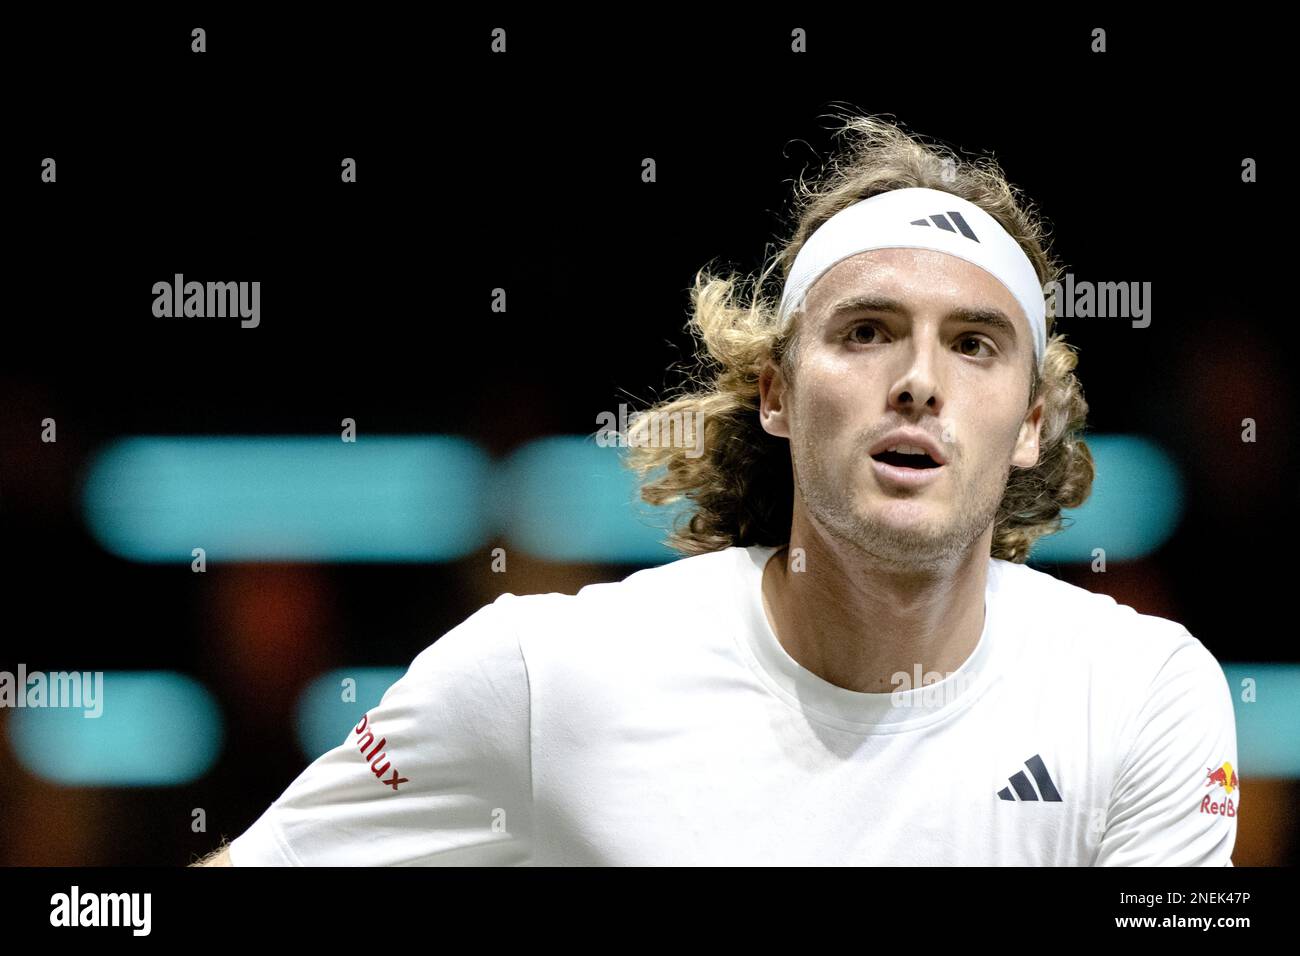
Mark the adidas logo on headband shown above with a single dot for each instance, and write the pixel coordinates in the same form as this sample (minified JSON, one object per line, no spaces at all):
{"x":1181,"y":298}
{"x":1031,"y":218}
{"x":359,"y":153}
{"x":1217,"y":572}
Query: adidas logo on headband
{"x":942,"y":222}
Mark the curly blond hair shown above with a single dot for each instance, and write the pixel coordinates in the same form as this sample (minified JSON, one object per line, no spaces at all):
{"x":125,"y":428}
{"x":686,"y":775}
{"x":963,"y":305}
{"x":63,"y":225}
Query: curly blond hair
{"x":741,"y":486}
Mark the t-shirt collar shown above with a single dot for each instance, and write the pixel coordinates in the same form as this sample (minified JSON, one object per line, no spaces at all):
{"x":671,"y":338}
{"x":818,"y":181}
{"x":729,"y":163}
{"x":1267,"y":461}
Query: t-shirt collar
{"x":907,"y":707}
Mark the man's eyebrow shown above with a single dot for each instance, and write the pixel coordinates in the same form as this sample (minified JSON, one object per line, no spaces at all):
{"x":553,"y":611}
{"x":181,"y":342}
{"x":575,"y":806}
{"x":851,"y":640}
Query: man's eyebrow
{"x":990,"y":318}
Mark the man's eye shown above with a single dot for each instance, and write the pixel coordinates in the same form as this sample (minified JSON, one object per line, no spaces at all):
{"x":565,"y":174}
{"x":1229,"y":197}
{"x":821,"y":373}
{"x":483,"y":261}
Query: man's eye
{"x":855,"y":333}
{"x":977,"y":340}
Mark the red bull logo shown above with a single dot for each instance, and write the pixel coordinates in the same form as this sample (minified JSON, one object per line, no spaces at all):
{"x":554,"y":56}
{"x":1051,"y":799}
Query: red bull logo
{"x":1223,"y":776}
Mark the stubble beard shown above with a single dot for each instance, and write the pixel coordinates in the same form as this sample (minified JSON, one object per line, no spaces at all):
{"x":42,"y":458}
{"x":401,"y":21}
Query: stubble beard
{"x":926,"y":546}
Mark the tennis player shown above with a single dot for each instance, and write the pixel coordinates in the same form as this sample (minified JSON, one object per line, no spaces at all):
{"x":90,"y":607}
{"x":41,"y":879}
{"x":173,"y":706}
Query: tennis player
{"x":852,"y":663}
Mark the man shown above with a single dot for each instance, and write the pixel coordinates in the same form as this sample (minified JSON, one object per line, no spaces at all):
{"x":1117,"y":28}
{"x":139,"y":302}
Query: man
{"x":854,"y":665}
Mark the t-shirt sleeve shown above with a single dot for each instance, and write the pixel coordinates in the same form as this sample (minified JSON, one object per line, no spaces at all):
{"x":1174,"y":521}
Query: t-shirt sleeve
{"x":438,"y":773}
{"x":1177,"y":795}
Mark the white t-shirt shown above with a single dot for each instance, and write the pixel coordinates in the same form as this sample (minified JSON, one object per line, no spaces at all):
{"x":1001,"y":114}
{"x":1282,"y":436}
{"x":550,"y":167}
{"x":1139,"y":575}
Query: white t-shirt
{"x":658,"y":721}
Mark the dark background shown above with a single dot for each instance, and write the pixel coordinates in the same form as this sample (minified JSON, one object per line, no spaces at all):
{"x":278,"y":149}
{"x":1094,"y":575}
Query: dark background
{"x":523,"y":171}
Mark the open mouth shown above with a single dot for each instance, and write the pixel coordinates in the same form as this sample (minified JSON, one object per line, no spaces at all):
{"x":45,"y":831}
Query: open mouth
{"x":900,"y":460}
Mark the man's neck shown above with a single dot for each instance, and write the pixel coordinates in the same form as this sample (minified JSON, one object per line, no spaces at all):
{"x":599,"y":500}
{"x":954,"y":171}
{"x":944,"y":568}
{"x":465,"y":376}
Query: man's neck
{"x":856,"y":623}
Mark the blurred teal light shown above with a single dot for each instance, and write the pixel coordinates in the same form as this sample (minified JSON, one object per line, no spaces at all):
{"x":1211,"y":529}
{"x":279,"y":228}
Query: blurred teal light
{"x":1268,"y":744}
{"x":156,"y":728}
{"x":565,"y":498}
{"x":325,"y":718}
{"x":288,"y":498}
{"x":1135,"y":505}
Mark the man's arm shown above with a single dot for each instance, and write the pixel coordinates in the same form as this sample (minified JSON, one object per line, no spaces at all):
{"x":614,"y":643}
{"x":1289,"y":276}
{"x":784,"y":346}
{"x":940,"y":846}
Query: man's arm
{"x":218,"y":857}
{"x":1177,"y":795}
{"x":438,"y":773}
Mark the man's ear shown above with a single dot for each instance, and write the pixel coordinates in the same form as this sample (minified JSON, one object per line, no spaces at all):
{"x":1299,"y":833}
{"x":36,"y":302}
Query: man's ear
{"x":772,"y":412}
{"x":1027,"y":443}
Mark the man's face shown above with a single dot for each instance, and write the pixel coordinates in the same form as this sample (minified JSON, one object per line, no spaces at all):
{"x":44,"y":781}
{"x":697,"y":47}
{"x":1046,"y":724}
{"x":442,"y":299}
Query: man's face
{"x":919,"y":358}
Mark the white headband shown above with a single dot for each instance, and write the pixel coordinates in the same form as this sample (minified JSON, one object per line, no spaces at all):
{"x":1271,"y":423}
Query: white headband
{"x":919,"y":218}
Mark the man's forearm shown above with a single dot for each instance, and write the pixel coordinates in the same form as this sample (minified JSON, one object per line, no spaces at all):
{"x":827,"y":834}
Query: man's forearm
{"x":218,"y":857}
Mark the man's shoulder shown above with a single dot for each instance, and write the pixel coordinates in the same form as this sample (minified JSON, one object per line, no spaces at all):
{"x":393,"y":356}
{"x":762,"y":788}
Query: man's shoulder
{"x":654,"y":620}
{"x":1086,"y":652}
{"x":670,"y":608}
{"x":663,"y":589}
{"x":1068,"y":621}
